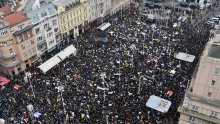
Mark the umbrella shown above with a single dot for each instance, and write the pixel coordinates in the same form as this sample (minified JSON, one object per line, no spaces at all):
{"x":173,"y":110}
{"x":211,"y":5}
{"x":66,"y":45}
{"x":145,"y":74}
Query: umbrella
{"x":3,"y":81}
{"x":37,"y":114}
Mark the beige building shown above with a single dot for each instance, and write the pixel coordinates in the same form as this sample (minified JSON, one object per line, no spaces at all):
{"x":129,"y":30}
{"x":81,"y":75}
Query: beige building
{"x":72,"y":17}
{"x":17,"y":44}
{"x":118,"y":5}
{"x":201,"y":104}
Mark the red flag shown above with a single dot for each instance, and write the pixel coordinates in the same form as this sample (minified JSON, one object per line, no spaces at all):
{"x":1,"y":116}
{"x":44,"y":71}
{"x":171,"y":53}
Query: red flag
{"x":169,"y":93}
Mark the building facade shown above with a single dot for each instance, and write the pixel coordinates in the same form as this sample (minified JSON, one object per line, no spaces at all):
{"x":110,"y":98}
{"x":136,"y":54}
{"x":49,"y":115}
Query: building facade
{"x":201,"y":104}
{"x":96,"y":8}
{"x":72,"y":17}
{"x":118,"y":5}
{"x":18,"y":49}
{"x":46,"y":28}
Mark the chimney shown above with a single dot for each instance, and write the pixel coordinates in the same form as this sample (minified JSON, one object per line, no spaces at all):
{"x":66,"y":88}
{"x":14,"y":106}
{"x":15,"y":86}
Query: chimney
{"x":14,"y":3}
{"x":12,"y":8}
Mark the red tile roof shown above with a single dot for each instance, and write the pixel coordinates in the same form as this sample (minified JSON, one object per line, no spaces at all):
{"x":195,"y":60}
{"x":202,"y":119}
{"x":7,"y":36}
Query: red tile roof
{"x":6,"y":10}
{"x":15,"y":18}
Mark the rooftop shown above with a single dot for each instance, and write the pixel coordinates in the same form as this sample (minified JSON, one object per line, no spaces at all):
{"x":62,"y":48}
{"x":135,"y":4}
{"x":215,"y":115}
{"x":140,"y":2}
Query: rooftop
{"x":3,"y":24}
{"x":6,"y":10}
{"x":214,"y":51}
{"x":67,"y":3}
{"x":37,"y":15}
{"x":15,"y":18}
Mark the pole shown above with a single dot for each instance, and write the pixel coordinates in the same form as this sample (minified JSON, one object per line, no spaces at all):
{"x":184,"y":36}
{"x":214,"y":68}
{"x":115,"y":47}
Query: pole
{"x":106,"y":119}
{"x":139,"y":84}
{"x":120,"y":61}
{"x":28,"y":74}
{"x":132,"y":59}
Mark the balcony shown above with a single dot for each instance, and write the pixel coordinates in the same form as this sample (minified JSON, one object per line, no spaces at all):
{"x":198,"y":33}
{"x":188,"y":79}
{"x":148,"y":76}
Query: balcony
{"x":203,"y":100}
{"x":198,"y":115}
{"x":8,"y":57}
{"x":48,"y":29}
{"x":23,"y":30}
{"x":10,"y":65}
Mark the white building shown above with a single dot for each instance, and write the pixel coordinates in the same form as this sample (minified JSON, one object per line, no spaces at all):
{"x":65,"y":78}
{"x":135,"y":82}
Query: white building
{"x":46,"y":28}
{"x":201,"y":104}
{"x":118,"y":5}
{"x":31,"y":5}
{"x":96,"y":9}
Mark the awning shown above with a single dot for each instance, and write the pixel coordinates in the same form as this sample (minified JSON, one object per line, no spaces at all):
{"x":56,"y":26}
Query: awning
{"x":22,"y":30}
{"x":50,"y":63}
{"x":104,"y":26}
{"x":158,"y":104}
{"x":185,"y":57}
{"x":67,"y":52}
{"x":57,"y":58}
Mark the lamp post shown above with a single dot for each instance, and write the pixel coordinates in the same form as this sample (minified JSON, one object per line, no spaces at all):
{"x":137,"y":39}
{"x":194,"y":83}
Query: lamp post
{"x":139,"y":82}
{"x":28,"y":76}
{"x":120,"y":61}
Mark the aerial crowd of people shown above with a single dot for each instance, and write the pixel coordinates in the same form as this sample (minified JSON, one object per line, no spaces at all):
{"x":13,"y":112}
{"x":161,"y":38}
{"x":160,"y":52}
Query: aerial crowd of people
{"x":112,"y":76}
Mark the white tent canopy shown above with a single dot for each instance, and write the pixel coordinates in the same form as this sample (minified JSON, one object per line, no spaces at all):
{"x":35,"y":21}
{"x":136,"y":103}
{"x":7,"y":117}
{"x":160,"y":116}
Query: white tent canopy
{"x":104,"y":26}
{"x":185,"y":57}
{"x":158,"y":104}
{"x":57,"y":58}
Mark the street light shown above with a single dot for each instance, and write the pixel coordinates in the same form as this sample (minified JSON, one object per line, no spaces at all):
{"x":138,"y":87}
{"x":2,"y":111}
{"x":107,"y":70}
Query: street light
{"x":139,"y":82}
{"x":28,"y":76}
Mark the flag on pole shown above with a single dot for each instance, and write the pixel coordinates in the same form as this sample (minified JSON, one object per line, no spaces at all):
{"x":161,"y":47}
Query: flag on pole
{"x":17,"y":87}
{"x":169,"y":93}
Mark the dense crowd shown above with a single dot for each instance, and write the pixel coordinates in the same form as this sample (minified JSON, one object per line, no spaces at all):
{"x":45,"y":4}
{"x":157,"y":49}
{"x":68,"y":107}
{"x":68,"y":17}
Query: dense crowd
{"x":101,"y":83}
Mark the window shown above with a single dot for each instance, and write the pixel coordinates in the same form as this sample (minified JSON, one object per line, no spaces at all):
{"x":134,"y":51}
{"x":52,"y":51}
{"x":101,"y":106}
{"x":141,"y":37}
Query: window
{"x":54,"y":22}
{"x":13,"y":59}
{"x":10,"y":51}
{"x":34,"y":50}
{"x":213,"y":82}
{"x":25,"y":54}
{"x":3,"y":32}
{"x":32,"y":42}
{"x":22,"y":46}
{"x":21,"y":26}
{"x":217,"y":71}
{"x":37,"y":30}
{"x":39,"y":38}
{"x":46,"y":26}
{"x":192,"y":119}
{"x":195,"y":108}
{"x":214,"y":114}
{"x":55,"y":30}
{"x":1,"y":52}
{"x":29,"y":52}
{"x":209,"y":94}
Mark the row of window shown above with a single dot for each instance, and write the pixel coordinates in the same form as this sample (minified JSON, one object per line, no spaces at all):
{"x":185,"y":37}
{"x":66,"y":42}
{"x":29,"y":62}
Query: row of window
{"x":24,"y":35}
{"x":3,"y":32}
{"x":213,"y":113}
{"x":192,"y":120}
{"x":23,"y":46}
{"x":51,"y":42}
{"x":29,"y":53}
{"x":46,"y":26}
{"x":70,"y":16}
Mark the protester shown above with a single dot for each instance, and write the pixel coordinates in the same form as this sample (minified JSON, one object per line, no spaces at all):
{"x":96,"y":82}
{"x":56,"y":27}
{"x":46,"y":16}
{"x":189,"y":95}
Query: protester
{"x":101,"y":83}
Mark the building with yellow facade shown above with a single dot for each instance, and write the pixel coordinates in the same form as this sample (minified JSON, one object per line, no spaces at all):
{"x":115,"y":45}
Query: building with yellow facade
{"x":72,"y":17}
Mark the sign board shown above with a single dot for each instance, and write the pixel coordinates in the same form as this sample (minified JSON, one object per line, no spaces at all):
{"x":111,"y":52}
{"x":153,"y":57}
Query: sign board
{"x":158,"y":104}
{"x":185,"y":57}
